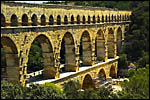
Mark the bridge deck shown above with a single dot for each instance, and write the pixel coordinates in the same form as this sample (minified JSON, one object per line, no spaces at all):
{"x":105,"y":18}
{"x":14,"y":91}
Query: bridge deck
{"x":64,"y":75}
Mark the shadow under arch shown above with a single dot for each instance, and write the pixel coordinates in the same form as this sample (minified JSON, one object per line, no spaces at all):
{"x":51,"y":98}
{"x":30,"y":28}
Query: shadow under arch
{"x":113,"y":73}
{"x":11,"y":72}
{"x":14,"y":20}
{"x":3,"y":20}
{"x":102,"y":75}
{"x":87,"y":82}
{"x":85,"y":49}
{"x":47,"y":53}
{"x":111,"y":43}
{"x":67,"y":53}
{"x":100,"y":45}
{"x":119,"y":40}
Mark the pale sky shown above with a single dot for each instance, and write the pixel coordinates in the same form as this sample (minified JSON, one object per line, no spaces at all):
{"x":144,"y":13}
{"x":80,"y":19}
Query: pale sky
{"x":32,"y":1}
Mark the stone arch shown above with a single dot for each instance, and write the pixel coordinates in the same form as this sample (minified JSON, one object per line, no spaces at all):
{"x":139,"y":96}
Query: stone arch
{"x":51,"y":20}
{"x":84,"y":20}
{"x":86,"y":47}
{"x":119,"y":39}
{"x":111,"y":43}
{"x":100,"y":45}
{"x":106,"y":19}
{"x":102,"y":74}
{"x":113,"y":72}
{"x":12,"y":60}
{"x":128,"y":17}
{"x":109,"y":20}
{"x":115,"y":19}
{"x":48,"y":55}
{"x":72,"y":19}
{"x":87,"y":82}
{"x":78,"y":19}
{"x":3,"y":21}
{"x":112,"y":18}
{"x":94,"y":19}
{"x":102,"y":19}
{"x":24,"y":20}
{"x":65,"y":20}
{"x":69,"y":48}
{"x":43,"y":20}
{"x":58,"y":20}
{"x":14,"y":20}
{"x":120,"y":18}
{"x":89,"y":20}
{"x":125,"y":17}
{"x":98,"y":19}
{"x":34,"y":20}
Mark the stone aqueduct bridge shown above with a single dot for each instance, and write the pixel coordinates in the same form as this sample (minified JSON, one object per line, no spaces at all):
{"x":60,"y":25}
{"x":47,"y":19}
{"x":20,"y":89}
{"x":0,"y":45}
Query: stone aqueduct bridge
{"x":22,"y":23}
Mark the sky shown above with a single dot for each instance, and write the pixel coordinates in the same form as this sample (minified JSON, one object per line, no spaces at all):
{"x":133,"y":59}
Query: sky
{"x":32,"y":1}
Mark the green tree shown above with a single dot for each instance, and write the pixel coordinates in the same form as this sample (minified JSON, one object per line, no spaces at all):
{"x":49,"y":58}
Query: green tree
{"x":123,"y":62}
{"x":35,"y":61}
{"x":138,"y":85}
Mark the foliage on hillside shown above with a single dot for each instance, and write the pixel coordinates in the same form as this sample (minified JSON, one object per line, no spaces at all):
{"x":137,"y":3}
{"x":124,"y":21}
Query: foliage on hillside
{"x":45,"y":91}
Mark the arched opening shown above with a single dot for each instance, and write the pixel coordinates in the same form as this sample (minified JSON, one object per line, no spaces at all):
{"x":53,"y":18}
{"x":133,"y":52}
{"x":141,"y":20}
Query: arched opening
{"x":41,"y":59}
{"x":34,"y":20}
{"x":84,"y":20}
{"x":98,"y":19}
{"x":51,"y":20}
{"x":10,"y":66}
{"x":106,"y":18}
{"x":2,"y":20}
{"x":67,"y":53}
{"x":58,"y":20}
{"x":85,"y":46}
{"x":78,"y":19}
{"x":14,"y":20}
{"x":100,"y":79}
{"x":119,"y":40}
{"x":115,"y":19}
{"x":109,"y":18}
{"x":112,"y":18}
{"x":87,"y":82}
{"x":120,"y":18}
{"x":128,"y":17}
{"x":24,"y":20}
{"x":102,"y":18}
{"x":65,"y":20}
{"x":72,"y":19}
{"x":100,"y":46}
{"x":93,"y":19}
{"x":89,"y":20}
{"x":43,"y":20}
{"x":113,"y":73}
{"x":125,"y":17}
{"x":102,"y":75}
{"x":111,"y":44}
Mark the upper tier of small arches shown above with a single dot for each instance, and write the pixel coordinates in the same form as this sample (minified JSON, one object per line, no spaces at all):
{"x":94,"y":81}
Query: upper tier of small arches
{"x":34,"y":20}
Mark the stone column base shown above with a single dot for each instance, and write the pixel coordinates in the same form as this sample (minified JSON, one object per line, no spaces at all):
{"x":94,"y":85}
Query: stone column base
{"x":51,"y":72}
{"x":73,"y":68}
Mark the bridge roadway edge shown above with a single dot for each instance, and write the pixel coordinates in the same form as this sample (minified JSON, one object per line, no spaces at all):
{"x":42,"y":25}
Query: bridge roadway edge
{"x":60,"y":81}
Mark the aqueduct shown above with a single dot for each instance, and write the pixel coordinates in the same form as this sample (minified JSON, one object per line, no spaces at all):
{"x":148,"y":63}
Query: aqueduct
{"x":95,"y":31}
